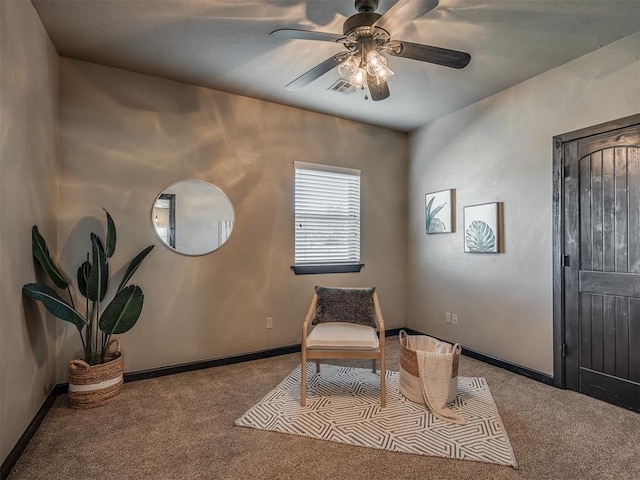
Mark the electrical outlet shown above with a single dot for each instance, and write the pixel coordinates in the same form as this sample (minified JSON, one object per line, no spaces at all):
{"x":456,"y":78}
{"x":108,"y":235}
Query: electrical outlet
{"x":447,"y":317}
{"x":268,"y":323}
{"x":454,"y":319}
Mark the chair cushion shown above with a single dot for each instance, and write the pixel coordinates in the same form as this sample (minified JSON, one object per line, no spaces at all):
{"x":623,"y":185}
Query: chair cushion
{"x":343,"y":336}
{"x":353,"y":305}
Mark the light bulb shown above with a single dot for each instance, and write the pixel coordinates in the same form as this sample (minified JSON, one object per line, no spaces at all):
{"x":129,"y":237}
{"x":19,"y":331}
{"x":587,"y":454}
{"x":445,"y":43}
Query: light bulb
{"x":374,"y":60}
{"x":359,"y":78}
{"x":377,"y":66}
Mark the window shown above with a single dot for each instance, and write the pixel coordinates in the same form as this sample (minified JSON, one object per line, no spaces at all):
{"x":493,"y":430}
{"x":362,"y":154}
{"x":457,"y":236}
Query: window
{"x":327,"y":216}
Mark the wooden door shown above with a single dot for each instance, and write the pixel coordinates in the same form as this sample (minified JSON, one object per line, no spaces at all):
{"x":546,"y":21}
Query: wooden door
{"x":602,"y":265}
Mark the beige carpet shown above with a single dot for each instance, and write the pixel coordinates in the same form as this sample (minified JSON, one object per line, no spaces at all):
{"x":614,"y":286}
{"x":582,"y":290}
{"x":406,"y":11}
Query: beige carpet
{"x":181,"y":427}
{"x":343,"y":405}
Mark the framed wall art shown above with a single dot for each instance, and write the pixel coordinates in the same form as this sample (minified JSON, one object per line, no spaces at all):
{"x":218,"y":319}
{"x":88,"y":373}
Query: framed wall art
{"x":482,"y":228}
{"x":439,"y":211}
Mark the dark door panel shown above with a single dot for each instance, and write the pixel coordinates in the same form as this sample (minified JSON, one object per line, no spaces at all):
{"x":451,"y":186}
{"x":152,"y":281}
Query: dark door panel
{"x":601,"y":278}
{"x":610,"y":389}
{"x":608,"y":283}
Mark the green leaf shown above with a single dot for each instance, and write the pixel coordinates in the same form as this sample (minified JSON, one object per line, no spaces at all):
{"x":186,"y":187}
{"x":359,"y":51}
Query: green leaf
{"x":436,"y":226}
{"x":133,"y":266}
{"x":41,"y":252}
{"x":123,"y":311}
{"x":111,"y":236}
{"x":429,"y":205}
{"x":54,"y":303}
{"x":433,"y":214}
{"x":83,"y":277}
{"x":99,"y":276}
{"x":432,"y":225}
{"x":480,"y":237}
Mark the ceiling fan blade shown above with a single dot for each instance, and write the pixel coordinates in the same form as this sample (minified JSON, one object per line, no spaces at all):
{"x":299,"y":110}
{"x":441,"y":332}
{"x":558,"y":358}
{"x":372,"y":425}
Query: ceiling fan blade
{"x":377,"y":92}
{"x":316,"y":72}
{"x":427,"y":53}
{"x":293,"y":33}
{"x":403,"y":12}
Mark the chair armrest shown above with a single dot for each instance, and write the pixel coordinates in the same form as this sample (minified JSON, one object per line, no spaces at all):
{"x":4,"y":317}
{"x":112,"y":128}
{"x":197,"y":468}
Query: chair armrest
{"x":378,"y":313}
{"x":308,"y":318}
{"x":380,"y":319}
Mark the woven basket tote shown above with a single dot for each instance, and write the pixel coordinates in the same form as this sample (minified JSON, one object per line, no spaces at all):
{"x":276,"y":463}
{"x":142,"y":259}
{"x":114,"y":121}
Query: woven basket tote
{"x":94,"y":385}
{"x":410,"y":376}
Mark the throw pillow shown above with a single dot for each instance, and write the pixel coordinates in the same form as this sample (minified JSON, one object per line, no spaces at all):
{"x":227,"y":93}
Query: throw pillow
{"x":353,"y":305}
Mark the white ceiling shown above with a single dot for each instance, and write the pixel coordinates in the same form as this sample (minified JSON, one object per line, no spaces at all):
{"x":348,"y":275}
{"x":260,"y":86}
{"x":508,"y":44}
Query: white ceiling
{"x":225,"y":45}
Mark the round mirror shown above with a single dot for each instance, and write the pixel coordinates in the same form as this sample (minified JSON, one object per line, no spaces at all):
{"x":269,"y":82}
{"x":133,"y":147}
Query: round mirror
{"x":192,"y":217}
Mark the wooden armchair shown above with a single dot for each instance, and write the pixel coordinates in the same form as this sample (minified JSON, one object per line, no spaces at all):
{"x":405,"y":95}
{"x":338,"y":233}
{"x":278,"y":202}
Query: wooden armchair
{"x":337,"y":336}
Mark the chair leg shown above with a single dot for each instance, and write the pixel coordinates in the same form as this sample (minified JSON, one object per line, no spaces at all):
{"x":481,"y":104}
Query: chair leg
{"x":303,"y":379}
{"x":317,"y":365}
{"x":373,"y":368}
{"x":383,"y":382}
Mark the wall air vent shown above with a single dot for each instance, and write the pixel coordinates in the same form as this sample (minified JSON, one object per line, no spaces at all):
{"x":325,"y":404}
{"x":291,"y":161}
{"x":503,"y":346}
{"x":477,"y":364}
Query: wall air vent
{"x":342,"y":86}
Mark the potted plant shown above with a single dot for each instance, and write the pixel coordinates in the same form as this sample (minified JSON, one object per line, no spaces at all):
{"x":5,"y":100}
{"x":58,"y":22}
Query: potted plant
{"x":97,"y":376}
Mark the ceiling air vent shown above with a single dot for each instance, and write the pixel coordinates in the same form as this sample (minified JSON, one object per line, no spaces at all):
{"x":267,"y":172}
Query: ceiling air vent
{"x":342,"y":86}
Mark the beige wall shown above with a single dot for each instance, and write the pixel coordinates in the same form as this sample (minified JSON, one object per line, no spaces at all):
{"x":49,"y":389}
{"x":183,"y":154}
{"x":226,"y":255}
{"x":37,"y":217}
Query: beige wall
{"x":28,"y":179}
{"x":125,"y":137}
{"x":500,"y":149}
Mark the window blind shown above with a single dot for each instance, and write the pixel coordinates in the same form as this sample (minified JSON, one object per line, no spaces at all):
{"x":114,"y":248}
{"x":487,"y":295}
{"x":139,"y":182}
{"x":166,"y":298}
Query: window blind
{"x":327,"y":214}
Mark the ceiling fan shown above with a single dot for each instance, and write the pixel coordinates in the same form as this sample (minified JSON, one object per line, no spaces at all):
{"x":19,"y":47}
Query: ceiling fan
{"x":365,"y":36}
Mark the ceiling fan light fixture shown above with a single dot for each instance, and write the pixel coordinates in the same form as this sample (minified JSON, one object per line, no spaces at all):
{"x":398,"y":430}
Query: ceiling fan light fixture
{"x":377,"y":66}
{"x":359,"y":78}
{"x":347,"y":68}
{"x":365,"y":35}
{"x":383,"y":75}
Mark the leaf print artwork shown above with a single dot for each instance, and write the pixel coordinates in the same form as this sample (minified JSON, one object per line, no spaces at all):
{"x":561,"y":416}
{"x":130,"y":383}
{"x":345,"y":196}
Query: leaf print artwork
{"x":480,"y":237}
{"x":438,"y":217}
{"x":482,"y":228}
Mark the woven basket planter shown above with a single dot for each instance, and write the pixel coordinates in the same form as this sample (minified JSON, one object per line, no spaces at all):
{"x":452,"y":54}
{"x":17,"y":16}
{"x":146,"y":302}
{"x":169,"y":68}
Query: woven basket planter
{"x":94,"y":385}
{"x":409,"y":374}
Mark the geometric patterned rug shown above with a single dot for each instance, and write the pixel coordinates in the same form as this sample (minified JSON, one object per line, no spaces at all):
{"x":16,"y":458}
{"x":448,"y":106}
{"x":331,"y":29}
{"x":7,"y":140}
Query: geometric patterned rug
{"x":343,"y":405}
